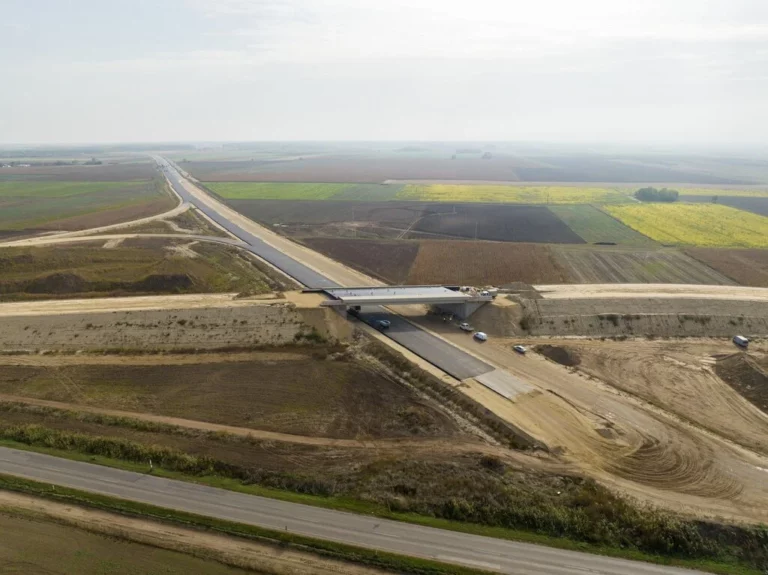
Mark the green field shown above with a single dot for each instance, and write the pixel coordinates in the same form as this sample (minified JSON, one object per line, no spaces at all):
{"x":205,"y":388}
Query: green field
{"x":27,"y":189}
{"x":695,"y":224}
{"x":722,"y":192}
{"x":595,"y":226}
{"x":423,"y":193}
{"x":297,"y":191}
{"x":369,"y":192}
{"x":28,"y":205}
{"x":276,"y":191}
{"x":512,"y":194}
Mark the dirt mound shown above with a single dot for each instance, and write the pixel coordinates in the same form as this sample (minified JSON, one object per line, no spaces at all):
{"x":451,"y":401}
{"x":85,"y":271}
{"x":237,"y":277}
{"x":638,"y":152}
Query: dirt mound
{"x":58,"y":283}
{"x":745,"y":374}
{"x":559,"y":354}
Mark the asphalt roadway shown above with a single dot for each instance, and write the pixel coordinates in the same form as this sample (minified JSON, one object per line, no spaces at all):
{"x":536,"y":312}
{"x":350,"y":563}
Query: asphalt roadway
{"x":435,"y":350}
{"x":360,"y":530}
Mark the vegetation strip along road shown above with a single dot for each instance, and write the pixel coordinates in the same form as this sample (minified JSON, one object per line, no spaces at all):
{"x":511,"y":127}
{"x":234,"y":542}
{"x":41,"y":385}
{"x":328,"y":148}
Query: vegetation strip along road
{"x":382,"y":534}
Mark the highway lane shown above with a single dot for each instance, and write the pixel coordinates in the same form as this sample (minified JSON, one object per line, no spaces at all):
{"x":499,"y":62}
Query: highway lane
{"x":361,"y":530}
{"x":451,"y":359}
{"x":435,"y":350}
{"x":298,"y":271}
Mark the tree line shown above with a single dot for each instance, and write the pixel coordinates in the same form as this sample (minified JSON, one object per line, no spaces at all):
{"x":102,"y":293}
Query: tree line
{"x":655,"y":195}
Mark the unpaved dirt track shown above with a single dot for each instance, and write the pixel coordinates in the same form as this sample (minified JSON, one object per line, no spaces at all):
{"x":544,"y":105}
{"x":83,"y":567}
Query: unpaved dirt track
{"x":665,"y":291}
{"x":44,"y":240}
{"x":629,"y":444}
{"x":165,"y":302}
{"x":57,"y":240}
{"x":361,"y":530}
{"x":678,"y":377}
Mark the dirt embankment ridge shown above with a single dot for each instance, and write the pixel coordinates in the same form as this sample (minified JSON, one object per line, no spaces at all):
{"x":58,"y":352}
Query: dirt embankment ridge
{"x":748,"y":375}
{"x":171,"y":322}
{"x":674,"y":317}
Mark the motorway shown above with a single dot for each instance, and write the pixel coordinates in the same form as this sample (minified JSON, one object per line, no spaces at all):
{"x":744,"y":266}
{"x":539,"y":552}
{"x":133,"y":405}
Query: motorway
{"x":360,"y":530}
{"x":449,"y":358}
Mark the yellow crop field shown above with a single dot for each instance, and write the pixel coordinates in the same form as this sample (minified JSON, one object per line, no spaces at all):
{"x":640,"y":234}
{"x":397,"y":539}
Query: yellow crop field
{"x":695,"y":224}
{"x":511,"y":194}
{"x":723,"y":192}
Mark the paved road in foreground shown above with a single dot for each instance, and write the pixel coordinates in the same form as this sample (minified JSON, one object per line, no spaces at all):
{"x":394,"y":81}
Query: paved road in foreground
{"x":361,"y":530}
{"x":435,"y":350}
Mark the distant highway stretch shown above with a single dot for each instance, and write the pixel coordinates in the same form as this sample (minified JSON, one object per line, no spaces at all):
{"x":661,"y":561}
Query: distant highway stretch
{"x":360,"y":530}
{"x":435,"y":350}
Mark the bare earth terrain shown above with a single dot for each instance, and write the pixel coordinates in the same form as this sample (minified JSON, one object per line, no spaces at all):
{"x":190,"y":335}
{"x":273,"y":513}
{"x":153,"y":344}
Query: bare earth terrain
{"x":642,"y":444}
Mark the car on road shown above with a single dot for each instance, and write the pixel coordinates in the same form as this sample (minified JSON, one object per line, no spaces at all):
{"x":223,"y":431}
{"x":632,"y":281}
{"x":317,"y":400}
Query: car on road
{"x":466,"y":327}
{"x":741,"y":341}
{"x":383,"y":323}
{"x":519,"y":348}
{"x":480,"y":336}
{"x":354,"y":310}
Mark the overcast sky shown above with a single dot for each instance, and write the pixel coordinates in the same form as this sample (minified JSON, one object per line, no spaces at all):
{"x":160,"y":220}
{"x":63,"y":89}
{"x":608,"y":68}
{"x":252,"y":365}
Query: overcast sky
{"x":636,"y":71}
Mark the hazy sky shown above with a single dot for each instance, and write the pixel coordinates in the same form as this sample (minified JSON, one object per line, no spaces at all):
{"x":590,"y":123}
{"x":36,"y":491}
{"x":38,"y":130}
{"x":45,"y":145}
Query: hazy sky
{"x":524,"y":70}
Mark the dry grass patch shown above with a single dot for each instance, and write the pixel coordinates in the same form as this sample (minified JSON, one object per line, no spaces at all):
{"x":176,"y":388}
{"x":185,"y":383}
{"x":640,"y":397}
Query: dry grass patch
{"x":306,"y":396}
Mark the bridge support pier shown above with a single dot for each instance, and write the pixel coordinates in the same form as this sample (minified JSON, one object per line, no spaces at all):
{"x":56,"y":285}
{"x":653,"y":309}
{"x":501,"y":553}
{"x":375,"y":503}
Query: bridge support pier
{"x":461,"y":310}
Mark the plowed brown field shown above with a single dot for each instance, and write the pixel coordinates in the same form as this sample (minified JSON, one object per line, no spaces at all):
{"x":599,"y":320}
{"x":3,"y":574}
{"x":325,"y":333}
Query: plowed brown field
{"x":598,"y":264}
{"x":484,"y":263}
{"x":747,"y":267}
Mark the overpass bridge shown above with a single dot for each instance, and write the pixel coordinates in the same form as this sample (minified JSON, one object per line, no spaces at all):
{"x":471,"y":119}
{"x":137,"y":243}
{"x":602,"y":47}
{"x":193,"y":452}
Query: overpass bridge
{"x":461,"y":302}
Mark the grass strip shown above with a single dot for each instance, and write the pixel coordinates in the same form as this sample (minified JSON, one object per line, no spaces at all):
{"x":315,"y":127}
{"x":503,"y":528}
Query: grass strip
{"x":339,"y":551}
{"x":720,"y":566}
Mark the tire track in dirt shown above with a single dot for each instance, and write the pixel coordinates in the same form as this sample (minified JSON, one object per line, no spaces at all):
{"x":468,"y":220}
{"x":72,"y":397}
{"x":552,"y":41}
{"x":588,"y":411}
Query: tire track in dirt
{"x":626,"y":442}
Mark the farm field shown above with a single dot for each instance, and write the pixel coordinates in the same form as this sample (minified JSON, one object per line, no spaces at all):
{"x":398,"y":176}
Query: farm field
{"x":389,"y":261}
{"x":133,"y":267}
{"x":484,"y":263}
{"x":31,"y":206}
{"x":704,"y":225}
{"x":416,"y":220}
{"x":596,"y":227}
{"x":605,"y":264}
{"x":509,"y":223}
{"x":507,"y":164}
{"x":287,"y":390}
{"x":303,"y":191}
{"x":445,"y":261}
{"x":512,"y":194}
{"x":37,"y":546}
{"x":745,"y":192}
{"x":744,"y":266}
{"x":108,"y":172}
{"x":754,"y":204}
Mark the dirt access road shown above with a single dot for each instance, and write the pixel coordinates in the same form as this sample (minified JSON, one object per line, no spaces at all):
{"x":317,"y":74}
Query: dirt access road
{"x":663,"y":291}
{"x":48,"y":238}
{"x":646,"y":444}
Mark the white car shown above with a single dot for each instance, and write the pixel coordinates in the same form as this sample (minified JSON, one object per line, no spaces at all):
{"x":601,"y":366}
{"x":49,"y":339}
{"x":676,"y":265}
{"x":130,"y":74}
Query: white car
{"x":466,"y":327}
{"x":480,"y":336}
{"x":519,"y":348}
{"x":383,"y":323}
